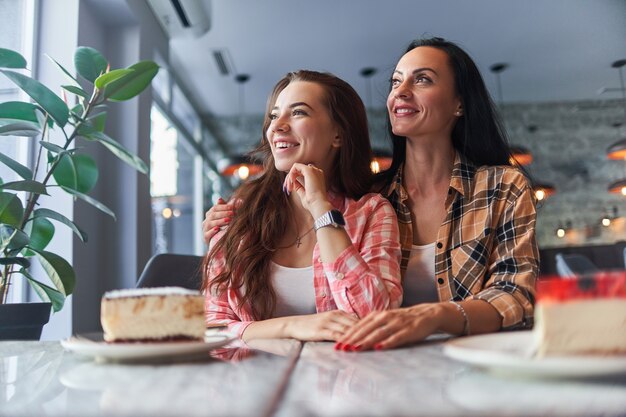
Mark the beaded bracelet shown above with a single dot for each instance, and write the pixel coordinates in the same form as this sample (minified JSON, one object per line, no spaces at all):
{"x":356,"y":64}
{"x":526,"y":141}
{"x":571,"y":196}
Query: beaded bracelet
{"x":466,"y":324}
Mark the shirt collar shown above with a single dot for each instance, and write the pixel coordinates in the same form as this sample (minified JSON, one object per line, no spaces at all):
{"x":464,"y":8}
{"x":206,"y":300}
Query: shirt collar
{"x":462,"y":174}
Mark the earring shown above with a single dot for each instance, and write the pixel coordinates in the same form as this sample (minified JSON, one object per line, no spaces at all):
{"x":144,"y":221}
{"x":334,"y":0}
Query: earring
{"x":458,"y":113}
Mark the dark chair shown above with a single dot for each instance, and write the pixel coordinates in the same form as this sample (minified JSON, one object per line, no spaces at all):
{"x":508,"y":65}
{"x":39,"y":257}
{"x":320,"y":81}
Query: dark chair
{"x":172,"y":270}
{"x":573,"y":264}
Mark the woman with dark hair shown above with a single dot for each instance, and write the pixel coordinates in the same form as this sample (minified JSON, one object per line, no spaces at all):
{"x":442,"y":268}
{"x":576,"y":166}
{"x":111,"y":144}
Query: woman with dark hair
{"x":466,"y":215}
{"x":310,"y":251}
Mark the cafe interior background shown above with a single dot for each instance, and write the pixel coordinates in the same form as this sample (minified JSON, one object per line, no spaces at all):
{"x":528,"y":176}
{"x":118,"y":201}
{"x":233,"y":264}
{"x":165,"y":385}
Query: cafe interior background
{"x":555,"y":69}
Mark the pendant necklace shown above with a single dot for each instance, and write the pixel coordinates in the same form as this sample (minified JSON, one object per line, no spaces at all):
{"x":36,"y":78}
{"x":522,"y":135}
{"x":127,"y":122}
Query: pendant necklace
{"x":298,"y":241}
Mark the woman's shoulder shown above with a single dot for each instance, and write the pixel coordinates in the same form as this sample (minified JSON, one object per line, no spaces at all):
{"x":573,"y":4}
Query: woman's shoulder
{"x":504,"y":174}
{"x":369,"y":201}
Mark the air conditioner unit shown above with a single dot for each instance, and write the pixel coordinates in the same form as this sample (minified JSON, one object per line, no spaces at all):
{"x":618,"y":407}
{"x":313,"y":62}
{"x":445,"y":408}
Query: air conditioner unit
{"x":183,"y":18}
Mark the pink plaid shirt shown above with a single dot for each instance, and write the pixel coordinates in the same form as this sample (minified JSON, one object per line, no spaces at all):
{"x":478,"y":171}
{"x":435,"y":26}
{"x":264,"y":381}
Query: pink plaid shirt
{"x":364,"y":278}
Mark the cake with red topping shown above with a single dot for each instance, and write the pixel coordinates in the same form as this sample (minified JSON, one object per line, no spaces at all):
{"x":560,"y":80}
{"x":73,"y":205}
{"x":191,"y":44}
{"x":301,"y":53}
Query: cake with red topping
{"x":152,"y":315}
{"x":581,"y":316}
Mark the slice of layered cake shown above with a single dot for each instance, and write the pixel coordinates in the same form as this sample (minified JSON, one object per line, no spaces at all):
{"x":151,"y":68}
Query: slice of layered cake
{"x":575,"y":316}
{"x":152,"y":315}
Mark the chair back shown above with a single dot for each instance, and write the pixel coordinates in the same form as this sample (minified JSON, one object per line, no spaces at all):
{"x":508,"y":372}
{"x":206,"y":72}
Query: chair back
{"x":172,"y":270}
{"x":573,"y":264}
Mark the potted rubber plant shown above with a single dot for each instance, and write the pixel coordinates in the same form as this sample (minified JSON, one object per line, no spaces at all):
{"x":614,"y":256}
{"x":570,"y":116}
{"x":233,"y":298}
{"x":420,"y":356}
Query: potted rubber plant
{"x":26,"y":225}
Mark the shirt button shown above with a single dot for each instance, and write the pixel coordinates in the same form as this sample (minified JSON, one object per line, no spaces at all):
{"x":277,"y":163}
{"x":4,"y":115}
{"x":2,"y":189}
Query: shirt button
{"x":440,"y":281}
{"x":439,"y":245}
{"x":323,"y":295}
{"x":339,"y":275}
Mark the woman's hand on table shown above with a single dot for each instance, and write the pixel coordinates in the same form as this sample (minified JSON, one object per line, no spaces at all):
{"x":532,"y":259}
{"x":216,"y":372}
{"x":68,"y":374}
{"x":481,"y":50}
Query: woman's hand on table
{"x":329,"y":325}
{"x":218,"y":216}
{"x":392,"y":328}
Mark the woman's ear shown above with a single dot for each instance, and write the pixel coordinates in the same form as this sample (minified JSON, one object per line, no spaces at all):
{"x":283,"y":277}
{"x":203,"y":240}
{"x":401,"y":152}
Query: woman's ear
{"x":336,"y":143}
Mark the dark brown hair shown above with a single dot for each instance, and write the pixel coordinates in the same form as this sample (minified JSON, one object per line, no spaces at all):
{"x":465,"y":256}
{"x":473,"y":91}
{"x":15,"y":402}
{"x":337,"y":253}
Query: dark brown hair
{"x":254,"y":232}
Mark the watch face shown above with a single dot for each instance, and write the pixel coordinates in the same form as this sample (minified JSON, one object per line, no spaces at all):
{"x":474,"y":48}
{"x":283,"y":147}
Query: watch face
{"x":337,"y":217}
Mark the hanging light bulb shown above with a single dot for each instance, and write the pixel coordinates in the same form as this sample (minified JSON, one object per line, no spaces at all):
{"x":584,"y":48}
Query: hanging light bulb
{"x":617,"y":151}
{"x":543,"y":191}
{"x":381,"y":160}
{"x":519,"y":154}
{"x":240,"y":166}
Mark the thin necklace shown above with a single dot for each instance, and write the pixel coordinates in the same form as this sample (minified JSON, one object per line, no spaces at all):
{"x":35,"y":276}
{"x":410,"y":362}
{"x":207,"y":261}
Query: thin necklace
{"x":298,"y":241}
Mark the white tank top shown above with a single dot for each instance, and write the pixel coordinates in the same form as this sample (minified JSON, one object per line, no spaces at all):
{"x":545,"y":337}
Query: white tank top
{"x":295,"y":292}
{"x":419,"y":279}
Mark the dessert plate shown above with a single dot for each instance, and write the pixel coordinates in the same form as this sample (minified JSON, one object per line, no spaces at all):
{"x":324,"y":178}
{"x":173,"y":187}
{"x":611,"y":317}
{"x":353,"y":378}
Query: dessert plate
{"x":93,"y":345}
{"x":512,"y":353}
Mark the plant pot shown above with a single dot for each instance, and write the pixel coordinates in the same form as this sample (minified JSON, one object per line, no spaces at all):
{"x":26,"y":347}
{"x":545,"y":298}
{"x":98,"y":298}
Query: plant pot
{"x":23,"y":321}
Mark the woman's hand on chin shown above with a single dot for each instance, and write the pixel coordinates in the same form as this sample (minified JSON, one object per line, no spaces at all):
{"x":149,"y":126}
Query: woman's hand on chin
{"x":309,"y":183}
{"x":330,"y":325}
{"x":392,"y":328}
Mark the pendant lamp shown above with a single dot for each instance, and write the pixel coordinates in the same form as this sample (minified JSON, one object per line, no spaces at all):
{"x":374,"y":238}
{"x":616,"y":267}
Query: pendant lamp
{"x":240,"y":166}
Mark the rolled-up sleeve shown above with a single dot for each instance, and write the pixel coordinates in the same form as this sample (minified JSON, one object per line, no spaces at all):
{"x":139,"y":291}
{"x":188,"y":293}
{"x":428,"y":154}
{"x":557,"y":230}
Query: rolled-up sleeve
{"x":366,"y":275}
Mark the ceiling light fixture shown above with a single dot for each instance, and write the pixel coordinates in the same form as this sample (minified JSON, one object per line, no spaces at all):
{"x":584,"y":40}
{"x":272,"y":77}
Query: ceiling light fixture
{"x":367,"y":73}
{"x":543,"y":191}
{"x":617,"y":151}
{"x":240,"y":166}
{"x":519,"y":154}
{"x":381,"y":160}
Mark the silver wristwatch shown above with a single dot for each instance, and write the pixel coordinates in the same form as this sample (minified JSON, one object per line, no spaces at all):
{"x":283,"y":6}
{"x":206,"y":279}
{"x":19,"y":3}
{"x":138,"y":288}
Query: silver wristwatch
{"x":332,"y":218}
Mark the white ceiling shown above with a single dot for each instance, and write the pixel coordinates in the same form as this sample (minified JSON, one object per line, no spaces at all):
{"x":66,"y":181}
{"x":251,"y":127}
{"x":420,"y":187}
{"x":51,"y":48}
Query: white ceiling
{"x":557,"y":49}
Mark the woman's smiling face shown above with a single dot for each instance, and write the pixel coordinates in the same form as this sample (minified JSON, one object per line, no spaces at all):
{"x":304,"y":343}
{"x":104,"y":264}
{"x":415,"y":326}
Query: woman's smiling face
{"x":423,"y":100}
{"x":301,"y":128}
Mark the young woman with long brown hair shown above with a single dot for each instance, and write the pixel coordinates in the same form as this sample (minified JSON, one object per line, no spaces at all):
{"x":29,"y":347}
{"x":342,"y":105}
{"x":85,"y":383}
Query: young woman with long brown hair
{"x":310,"y":251}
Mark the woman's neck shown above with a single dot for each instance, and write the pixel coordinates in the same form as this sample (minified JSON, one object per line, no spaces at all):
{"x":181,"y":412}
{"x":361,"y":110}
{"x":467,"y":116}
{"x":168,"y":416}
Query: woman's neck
{"x":428,"y":165}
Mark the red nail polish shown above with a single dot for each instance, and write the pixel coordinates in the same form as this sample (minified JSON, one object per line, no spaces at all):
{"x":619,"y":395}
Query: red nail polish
{"x":221,"y":200}
{"x":346,"y":348}
{"x":227,"y":220}
{"x":216,"y":228}
{"x":357,"y":348}
{"x":338,"y":346}
{"x":378,"y":346}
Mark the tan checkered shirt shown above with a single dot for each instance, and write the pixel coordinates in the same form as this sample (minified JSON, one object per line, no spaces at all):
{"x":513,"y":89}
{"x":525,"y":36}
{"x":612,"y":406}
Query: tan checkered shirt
{"x":486,"y":247}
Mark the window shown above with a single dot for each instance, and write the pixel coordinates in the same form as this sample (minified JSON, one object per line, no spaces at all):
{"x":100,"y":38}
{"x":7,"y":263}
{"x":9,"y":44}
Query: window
{"x":17,"y":33}
{"x":172,"y":182}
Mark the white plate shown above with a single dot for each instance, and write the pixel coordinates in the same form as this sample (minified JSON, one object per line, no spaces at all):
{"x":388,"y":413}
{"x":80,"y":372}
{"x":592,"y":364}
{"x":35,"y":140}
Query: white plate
{"x":94,"y":346}
{"x":509,"y":352}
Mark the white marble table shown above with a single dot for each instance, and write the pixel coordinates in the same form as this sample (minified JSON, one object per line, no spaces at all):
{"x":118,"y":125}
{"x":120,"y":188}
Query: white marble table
{"x":285,"y":378}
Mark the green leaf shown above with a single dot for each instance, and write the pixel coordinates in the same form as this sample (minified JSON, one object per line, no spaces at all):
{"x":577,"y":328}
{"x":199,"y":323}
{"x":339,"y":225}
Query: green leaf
{"x":18,"y":168}
{"x":19,"y":128}
{"x":75,"y":90}
{"x":11,"y":210}
{"x":98,"y":121}
{"x":78,"y":172}
{"x":11,"y":59}
{"x":18,"y":110}
{"x":15,"y":261}
{"x":45,"y":292}
{"x":66,"y":72}
{"x":91,"y":201}
{"x":41,"y":231}
{"x":133,"y":83}
{"x":25,"y":185}
{"x":89,"y":63}
{"x":59,"y":271}
{"x":43,"y":212}
{"x":50,"y":102}
{"x":121,"y":152}
{"x":52,"y":147}
{"x":12,"y":238}
{"x":107,"y":78}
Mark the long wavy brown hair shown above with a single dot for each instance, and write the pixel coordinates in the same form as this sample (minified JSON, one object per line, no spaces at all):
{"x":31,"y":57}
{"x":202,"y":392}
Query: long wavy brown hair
{"x":249,"y":243}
